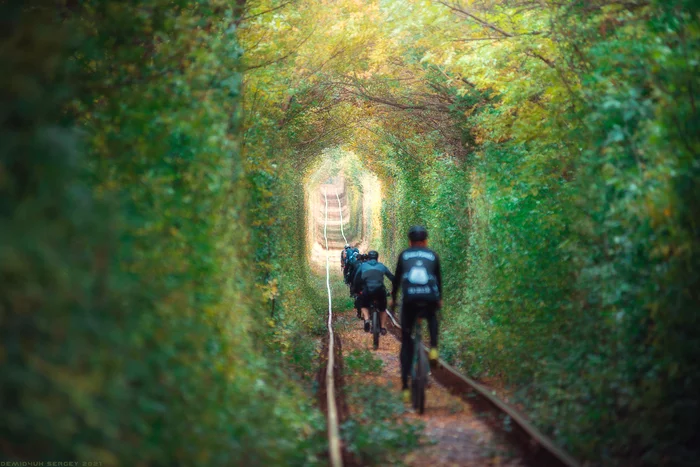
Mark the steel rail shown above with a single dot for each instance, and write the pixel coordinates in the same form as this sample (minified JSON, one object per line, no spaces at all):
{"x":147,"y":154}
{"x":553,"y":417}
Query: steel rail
{"x":333,"y":430}
{"x":340,"y":209}
{"x":540,"y":450}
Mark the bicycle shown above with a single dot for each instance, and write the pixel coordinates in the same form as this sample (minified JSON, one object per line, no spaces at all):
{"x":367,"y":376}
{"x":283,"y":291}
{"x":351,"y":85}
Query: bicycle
{"x":421,"y":368}
{"x":376,"y":322}
{"x":374,"y":314}
{"x":354,"y":296}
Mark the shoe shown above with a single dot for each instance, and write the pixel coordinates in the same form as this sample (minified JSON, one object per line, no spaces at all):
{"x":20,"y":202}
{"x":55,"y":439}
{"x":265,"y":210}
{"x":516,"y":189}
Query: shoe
{"x":367,"y":326}
{"x":433,"y":356}
{"x":406,"y":395}
{"x":382,"y":331}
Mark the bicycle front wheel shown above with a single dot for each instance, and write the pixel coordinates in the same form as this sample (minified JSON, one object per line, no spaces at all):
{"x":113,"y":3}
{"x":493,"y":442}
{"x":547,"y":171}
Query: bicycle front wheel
{"x":375,"y":329}
{"x":418,"y":396}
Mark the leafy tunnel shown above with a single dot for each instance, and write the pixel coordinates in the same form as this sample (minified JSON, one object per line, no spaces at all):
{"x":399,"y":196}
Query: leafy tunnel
{"x":343,"y":203}
{"x":162,"y":164}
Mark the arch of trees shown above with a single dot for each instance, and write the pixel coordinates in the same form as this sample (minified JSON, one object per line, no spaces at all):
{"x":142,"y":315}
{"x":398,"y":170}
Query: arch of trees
{"x":550,"y":147}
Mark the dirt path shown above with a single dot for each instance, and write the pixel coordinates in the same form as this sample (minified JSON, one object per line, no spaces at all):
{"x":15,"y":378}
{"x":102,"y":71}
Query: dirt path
{"x":453,"y":434}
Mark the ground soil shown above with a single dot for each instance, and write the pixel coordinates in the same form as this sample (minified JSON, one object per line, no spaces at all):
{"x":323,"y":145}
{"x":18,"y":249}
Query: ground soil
{"x":453,"y":434}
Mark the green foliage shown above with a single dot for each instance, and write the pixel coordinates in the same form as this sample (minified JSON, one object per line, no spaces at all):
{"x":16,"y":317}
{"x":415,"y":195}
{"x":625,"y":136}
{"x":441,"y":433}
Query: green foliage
{"x":376,"y":435}
{"x":153,"y":273}
{"x":130,"y":329}
{"x":571,"y":269}
{"x":362,"y":361}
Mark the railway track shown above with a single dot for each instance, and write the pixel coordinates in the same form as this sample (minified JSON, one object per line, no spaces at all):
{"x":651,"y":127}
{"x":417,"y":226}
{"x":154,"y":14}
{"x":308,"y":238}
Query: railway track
{"x":334,"y":451}
{"x":340,"y":210}
{"x":534,"y":447}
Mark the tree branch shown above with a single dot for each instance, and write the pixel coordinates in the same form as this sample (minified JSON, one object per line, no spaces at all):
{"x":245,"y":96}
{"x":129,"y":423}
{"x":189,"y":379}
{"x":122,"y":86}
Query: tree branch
{"x":459,"y":9}
{"x":246,"y":18}
{"x":283,"y":57}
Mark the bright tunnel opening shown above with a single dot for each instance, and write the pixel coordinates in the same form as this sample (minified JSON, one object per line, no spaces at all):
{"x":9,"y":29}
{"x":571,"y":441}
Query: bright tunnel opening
{"x":354,"y":196}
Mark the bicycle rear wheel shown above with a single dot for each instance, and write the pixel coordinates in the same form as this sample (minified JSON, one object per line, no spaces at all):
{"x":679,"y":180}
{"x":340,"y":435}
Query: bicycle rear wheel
{"x":375,"y":328}
{"x":420,"y":382}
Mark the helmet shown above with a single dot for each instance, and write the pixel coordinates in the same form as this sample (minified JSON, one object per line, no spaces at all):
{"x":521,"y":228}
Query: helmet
{"x":347,"y":245}
{"x":417,"y":233}
{"x":372,"y":255}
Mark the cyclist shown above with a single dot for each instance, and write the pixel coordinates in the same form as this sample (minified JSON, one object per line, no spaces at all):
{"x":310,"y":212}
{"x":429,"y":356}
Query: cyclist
{"x":369,"y":279}
{"x":344,"y":256}
{"x":419,"y":277}
{"x":354,"y":265}
{"x":350,"y":261}
{"x":356,"y":294}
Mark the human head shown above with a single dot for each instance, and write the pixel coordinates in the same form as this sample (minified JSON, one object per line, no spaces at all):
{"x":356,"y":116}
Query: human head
{"x":418,"y":235}
{"x":372,"y":255}
{"x":347,"y":245}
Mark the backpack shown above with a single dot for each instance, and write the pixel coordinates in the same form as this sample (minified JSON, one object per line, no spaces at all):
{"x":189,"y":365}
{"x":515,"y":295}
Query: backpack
{"x":420,"y":283}
{"x":373,"y":276}
{"x":351,"y":256}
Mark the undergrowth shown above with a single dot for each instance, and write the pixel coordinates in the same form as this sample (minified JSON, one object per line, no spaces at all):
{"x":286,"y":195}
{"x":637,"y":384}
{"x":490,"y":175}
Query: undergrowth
{"x":377,"y":434}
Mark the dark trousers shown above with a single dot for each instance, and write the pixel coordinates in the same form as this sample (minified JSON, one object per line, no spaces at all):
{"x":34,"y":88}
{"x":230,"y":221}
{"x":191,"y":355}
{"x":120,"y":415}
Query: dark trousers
{"x":348,"y":272}
{"x":409,"y":315}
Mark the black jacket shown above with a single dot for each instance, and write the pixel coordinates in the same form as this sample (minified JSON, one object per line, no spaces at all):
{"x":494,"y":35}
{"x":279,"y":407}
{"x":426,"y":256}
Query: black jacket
{"x":419,"y":276}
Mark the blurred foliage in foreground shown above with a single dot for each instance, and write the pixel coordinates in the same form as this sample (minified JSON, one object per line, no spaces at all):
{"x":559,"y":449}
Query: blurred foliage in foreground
{"x":130,"y":325}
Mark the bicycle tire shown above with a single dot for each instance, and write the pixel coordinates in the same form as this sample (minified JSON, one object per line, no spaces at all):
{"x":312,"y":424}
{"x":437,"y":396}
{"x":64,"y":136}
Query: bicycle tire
{"x":414,"y":393}
{"x":419,"y":375}
{"x":421,"y":381}
{"x":375,"y":328}
{"x":418,"y":394}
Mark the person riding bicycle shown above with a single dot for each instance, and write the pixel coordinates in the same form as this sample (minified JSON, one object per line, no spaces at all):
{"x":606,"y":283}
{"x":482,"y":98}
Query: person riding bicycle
{"x":344,"y":256}
{"x":356,"y":294}
{"x":419,"y":277}
{"x":369,"y":279}
{"x":360,"y":259}
{"x":351,"y":258}
{"x":352,"y":267}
